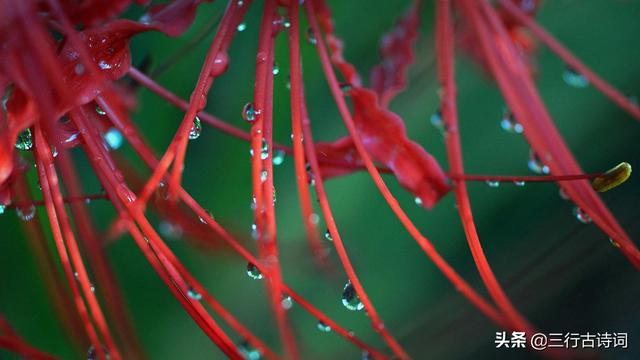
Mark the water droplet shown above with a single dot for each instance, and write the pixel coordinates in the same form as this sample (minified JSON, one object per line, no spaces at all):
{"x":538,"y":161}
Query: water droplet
{"x":327,"y":235}
{"x":264,"y":152}
{"x":248,"y":113}
{"x":519,"y":183}
{"x":263,"y":175}
{"x":26,"y":212}
{"x":278,"y":157}
{"x":311,"y":37}
{"x":493,"y":183}
{"x":104,"y":65}
{"x":573,"y":78}
{"x":350,"y":299}
{"x":346,"y":88}
{"x":614,"y":243}
{"x":24,"y":141}
{"x":563,"y":195}
{"x":2,"y":208}
{"x":253,"y":271}
{"x":204,"y":219}
{"x":92,"y":288}
{"x":99,"y":111}
{"x":323,"y":327}
{"x":170,"y":230}
{"x":418,"y":201}
{"x":510,"y":124}
{"x":536,"y":165}
{"x":196,"y":129}
{"x":275,"y":70}
{"x":254,"y":232}
{"x":581,"y":215}
{"x":113,"y":138}
{"x":249,"y":352}
{"x":79,"y":69}
{"x":193,"y":294}
{"x":92,"y":354}
{"x":242,"y":26}
{"x":220,"y":64}
{"x":436,"y":120}
{"x":314,"y":218}
{"x":286,"y":302}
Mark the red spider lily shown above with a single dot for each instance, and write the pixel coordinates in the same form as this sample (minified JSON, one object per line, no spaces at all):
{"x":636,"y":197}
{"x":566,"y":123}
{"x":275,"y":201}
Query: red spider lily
{"x":61,"y":67}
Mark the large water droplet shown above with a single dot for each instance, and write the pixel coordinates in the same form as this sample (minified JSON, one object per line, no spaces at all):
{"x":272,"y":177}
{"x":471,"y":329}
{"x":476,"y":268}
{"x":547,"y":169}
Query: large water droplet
{"x":536,"y":165}
{"x":26,"y":212}
{"x":24,"y":141}
{"x":196,"y":129}
{"x":510,"y":124}
{"x":220,"y":64}
{"x":286,"y":302}
{"x":249,"y":352}
{"x":278,"y":157}
{"x":350,"y":299}
{"x":573,"y":78}
{"x":242,"y":26}
{"x":311,"y":37}
{"x":248,"y":113}
{"x":581,"y":215}
{"x":275,"y":70}
{"x":418,"y":201}
{"x":113,"y":138}
{"x":253,"y":271}
{"x":493,"y":183}
{"x":193,"y":294}
{"x":2,"y":208}
{"x":323,"y":327}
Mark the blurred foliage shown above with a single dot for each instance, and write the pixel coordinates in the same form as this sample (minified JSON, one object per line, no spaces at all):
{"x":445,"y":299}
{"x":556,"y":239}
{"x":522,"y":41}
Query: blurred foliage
{"x":563,"y":275}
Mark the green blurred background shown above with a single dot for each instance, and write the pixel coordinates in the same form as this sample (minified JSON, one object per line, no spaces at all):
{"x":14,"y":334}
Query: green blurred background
{"x":563,"y":275}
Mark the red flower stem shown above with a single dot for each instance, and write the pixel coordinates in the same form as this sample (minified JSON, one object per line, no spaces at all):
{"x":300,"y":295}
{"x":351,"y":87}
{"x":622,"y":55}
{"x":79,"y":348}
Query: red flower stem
{"x":214,"y":65}
{"x":21,"y":348}
{"x":196,"y":104}
{"x":240,"y":134}
{"x":263,"y":191}
{"x":121,"y":122}
{"x":49,"y":270}
{"x":522,"y":97}
{"x":445,"y":41}
{"x":456,"y":176}
{"x":209,"y":119}
{"x":63,"y":255}
{"x":423,"y":242}
{"x":235,"y":245}
{"x":46,"y":159}
{"x":572,"y":61}
{"x":298,"y":112}
{"x":313,"y":238}
{"x":93,"y":246}
{"x":123,"y":200}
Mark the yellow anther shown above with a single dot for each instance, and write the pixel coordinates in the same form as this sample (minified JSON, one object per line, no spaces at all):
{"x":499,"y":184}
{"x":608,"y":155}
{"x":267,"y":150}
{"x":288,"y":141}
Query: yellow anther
{"x":612,"y":178}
